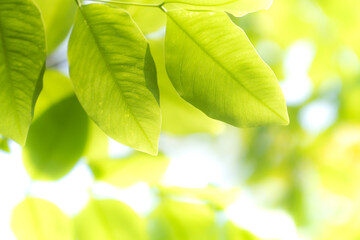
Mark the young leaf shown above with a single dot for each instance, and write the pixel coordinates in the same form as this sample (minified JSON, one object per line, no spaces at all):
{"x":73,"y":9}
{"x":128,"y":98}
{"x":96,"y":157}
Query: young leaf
{"x":56,"y":140}
{"x":38,"y":219}
{"x":22,"y":61}
{"x":125,"y":172}
{"x":235,"y":7}
{"x":108,"y":220}
{"x":213,"y":65}
{"x":58,"y":17}
{"x":114,"y":76}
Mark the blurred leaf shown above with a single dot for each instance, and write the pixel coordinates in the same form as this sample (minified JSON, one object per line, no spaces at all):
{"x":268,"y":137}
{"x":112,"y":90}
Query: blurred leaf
{"x":178,"y":116}
{"x":120,"y":79}
{"x":219,"y":198}
{"x":108,"y":220}
{"x":138,"y":167}
{"x":56,"y":140}
{"x":22,"y":61}
{"x":235,"y":233}
{"x":4,"y":144}
{"x":235,"y":7}
{"x":38,"y":219}
{"x":174,"y":220}
{"x":98,"y":143}
{"x":56,"y":87}
{"x":203,"y":69}
{"x":58,"y":18}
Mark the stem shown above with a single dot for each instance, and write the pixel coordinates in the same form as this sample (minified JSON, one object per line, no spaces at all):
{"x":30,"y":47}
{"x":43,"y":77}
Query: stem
{"x":201,"y":5}
{"x":78,"y":3}
{"x":130,"y":3}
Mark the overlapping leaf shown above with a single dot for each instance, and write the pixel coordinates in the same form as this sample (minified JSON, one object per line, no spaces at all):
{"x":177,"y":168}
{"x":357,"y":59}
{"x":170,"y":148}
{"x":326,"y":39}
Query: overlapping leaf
{"x":56,"y":140}
{"x":22,"y":60}
{"x":114,"y":76}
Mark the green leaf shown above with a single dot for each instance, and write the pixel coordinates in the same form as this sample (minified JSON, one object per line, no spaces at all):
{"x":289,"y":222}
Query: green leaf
{"x":125,"y":172}
{"x":235,"y":233}
{"x":38,"y":219}
{"x":56,"y":140}
{"x":213,"y":65}
{"x":235,"y":7}
{"x":108,"y":220}
{"x":219,"y":198}
{"x":98,"y":143}
{"x":58,"y":18}
{"x":4,"y":144}
{"x":174,"y":220}
{"x":56,"y":87}
{"x":22,"y":61}
{"x":178,"y":116}
{"x":114,"y":76}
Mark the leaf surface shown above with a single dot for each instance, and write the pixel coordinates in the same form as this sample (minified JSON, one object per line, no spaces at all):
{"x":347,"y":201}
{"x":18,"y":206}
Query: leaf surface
{"x":56,"y":140}
{"x":22,"y":60}
{"x":114,"y":76}
{"x":38,"y":219}
{"x":213,"y":65}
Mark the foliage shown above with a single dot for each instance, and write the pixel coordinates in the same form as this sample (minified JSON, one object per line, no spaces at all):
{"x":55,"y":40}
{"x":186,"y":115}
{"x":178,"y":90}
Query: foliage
{"x":140,"y":69}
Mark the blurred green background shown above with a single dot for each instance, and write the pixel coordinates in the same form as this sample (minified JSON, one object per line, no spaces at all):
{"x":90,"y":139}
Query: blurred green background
{"x":213,"y":181}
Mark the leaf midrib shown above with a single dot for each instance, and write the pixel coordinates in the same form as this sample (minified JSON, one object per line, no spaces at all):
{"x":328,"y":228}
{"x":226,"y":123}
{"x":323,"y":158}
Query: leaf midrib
{"x":113,"y":77}
{"x":224,"y":68}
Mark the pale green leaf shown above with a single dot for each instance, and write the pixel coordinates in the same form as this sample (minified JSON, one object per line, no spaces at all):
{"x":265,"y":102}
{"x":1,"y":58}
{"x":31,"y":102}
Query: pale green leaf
{"x":233,"y":232}
{"x":58,"y":17}
{"x":56,"y":87}
{"x":138,"y":167}
{"x":22,"y":61}
{"x":4,"y":144}
{"x":56,"y":140}
{"x":213,"y":65}
{"x":174,"y":220}
{"x":114,"y":76}
{"x":38,"y":219}
{"x":98,"y":143}
{"x":235,"y":7}
{"x":219,"y":198}
{"x":178,"y":116}
{"x":108,"y":220}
